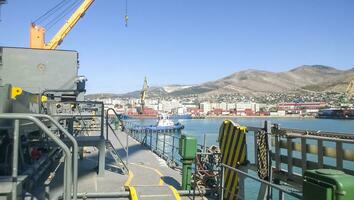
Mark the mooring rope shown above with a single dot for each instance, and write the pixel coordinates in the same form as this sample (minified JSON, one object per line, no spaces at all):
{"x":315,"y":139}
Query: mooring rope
{"x":262,"y":155}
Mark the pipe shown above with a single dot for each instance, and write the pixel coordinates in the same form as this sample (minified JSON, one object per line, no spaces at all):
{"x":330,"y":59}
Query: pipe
{"x":107,"y":124}
{"x":204,"y":143}
{"x":75,"y":149}
{"x":190,"y":192}
{"x":127,"y":151}
{"x":26,"y":116}
{"x":126,"y":194}
{"x":102,"y":119}
{"x":15,"y":159}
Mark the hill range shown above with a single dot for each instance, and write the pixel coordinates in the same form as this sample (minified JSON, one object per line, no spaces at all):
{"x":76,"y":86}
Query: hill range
{"x":309,"y":78}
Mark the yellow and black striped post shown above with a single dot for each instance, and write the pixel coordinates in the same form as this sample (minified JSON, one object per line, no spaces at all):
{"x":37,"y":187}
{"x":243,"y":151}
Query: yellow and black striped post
{"x":232,"y":142}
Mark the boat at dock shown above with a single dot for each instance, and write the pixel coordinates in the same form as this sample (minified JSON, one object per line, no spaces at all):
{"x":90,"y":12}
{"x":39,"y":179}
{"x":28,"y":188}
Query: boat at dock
{"x":163,"y":124}
{"x":336,"y":113}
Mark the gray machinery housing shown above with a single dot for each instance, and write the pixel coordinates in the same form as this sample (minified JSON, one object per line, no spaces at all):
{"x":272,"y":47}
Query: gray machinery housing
{"x":38,"y":70}
{"x":46,"y":77}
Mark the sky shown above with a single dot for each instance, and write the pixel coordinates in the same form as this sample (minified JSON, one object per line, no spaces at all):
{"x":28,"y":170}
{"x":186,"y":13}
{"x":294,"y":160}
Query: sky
{"x":192,"y":41}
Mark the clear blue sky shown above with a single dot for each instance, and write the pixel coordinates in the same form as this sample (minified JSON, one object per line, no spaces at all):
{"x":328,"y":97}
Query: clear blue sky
{"x":193,"y":41}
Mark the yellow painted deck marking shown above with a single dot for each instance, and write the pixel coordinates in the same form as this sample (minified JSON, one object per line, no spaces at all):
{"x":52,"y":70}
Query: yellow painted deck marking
{"x":157,"y":171}
{"x":155,"y":195}
{"x":130,"y":177}
{"x":175,"y":193}
{"x":133,"y":194}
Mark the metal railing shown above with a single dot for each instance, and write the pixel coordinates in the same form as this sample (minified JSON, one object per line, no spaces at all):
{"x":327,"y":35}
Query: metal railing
{"x":293,"y":151}
{"x":301,"y":150}
{"x":246,"y":174}
{"x":74,"y":151}
{"x":16,"y":117}
{"x":164,"y":145}
{"x":88,"y":115}
{"x":109,"y":127}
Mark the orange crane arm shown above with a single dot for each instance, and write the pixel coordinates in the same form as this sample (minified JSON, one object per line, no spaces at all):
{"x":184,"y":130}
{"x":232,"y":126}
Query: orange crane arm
{"x":350,"y":89}
{"x":37,"y":33}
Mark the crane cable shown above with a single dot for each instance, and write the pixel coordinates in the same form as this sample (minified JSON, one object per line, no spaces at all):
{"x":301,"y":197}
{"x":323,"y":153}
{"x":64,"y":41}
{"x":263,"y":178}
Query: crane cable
{"x":126,"y":18}
{"x":61,"y":15}
{"x":50,"y":12}
{"x":65,"y":12}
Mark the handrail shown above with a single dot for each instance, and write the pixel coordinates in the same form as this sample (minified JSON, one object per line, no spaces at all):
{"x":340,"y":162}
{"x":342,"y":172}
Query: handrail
{"x":115,"y":135}
{"x":115,"y":113}
{"x":15,"y":159}
{"x":26,"y":116}
{"x":300,"y":133}
{"x":108,"y":125}
{"x":157,"y":149}
{"x":126,"y":149}
{"x":291,"y":193}
{"x":75,"y":150}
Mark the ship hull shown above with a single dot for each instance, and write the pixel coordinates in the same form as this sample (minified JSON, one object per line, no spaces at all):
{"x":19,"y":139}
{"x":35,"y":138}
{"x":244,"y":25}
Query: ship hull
{"x":336,"y":114}
{"x":174,"y":128}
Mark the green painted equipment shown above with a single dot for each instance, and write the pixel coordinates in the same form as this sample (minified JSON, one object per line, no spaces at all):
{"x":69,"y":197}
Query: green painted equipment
{"x":328,"y":184}
{"x":187,"y":147}
{"x":187,"y":150}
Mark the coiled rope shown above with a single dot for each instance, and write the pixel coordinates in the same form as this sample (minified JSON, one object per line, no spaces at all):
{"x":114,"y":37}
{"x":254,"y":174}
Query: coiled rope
{"x":262,"y":155}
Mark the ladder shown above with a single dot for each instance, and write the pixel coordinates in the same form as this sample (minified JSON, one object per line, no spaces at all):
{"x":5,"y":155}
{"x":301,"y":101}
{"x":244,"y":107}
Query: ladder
{"x":118,"y":160}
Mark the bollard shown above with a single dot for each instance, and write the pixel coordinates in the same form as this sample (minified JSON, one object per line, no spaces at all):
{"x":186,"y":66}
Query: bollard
{"x":187,"y":151}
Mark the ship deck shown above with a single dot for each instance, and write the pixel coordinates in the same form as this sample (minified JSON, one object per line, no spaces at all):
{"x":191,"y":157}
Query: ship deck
{"x":145,"y":169}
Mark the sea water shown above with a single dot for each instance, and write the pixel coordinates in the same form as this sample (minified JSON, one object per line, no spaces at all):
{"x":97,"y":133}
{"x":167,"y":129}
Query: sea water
{"x":210,"y":127}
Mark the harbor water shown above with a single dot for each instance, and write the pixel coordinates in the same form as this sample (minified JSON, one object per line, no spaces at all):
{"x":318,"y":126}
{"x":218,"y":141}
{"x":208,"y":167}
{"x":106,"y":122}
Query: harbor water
{"x":210,"y":126}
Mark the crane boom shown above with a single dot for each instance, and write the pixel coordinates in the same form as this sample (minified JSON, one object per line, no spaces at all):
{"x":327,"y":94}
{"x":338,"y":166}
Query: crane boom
{"x":350,"y":90}
{"x":143,"y":94}
{"x":37,"y":33}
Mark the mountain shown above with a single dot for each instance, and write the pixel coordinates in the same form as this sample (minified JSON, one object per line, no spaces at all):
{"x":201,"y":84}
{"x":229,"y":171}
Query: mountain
{"x":259,"y":82}
{"x":338,"y":83}
{"x":315,"y":78}
{"x":152,"y":92}
{"x":175,"y":88}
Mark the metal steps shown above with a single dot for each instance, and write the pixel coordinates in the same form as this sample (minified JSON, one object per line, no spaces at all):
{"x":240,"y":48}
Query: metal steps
{"x":118,"y":160}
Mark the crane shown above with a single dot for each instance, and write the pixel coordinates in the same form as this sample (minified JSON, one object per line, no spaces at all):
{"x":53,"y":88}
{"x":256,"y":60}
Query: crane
{"x":350,"y":90}
{"x":37,"y":32}
{"x":143,"y":94}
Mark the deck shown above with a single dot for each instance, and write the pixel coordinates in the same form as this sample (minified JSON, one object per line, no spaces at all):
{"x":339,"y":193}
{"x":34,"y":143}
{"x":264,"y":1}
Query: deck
{"x":146,"y":169}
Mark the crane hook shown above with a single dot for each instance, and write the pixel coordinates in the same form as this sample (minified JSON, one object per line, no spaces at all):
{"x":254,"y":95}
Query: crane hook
{"x":126,"y":20}
{"x":126,"y":13}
